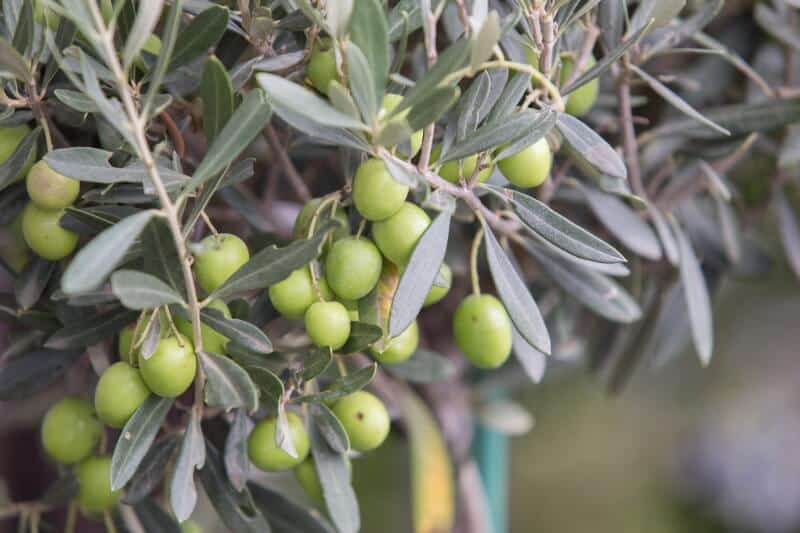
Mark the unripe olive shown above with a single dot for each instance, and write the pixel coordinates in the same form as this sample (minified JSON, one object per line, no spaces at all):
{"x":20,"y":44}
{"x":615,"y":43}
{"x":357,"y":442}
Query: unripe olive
{"x":190,"y":526}
{"x":119,"y":393}
{"x":219,"y":257}
{"x":353,"y":267}
{"x":50,"y":190}
{"x":213,"y":341}
{"x":292,"y":296}
{"x":453,"y":170}
{"x":327,"y":324}
{"x":581,"y":100}
{"x":321,"y":68}
{"x":125,"y":345}
{"x":397,"y":236}
{"x":94,"y":484}
{"x":437,"y":293}
{"x":70,"y":431}
{"x":9,"y":140}
{"x":528,"y":167}
{"x":376,"y":194}
{"x":301,"y":223}
{"x":399,"y":348}
{"x":265,"y":453}
{"x":171,"y":368}
{"x":364,"y":418}
{"x":482,"y":330}
{"x":390,"y":102}
{"x":352,"y":308}
{"x":44,"y":235}
{"x":152,"y":46}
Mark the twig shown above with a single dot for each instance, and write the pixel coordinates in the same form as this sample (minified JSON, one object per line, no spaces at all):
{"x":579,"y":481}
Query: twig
{"x":295,"y":180}
{"x":174,"y":133}
{"x":629,"y":145}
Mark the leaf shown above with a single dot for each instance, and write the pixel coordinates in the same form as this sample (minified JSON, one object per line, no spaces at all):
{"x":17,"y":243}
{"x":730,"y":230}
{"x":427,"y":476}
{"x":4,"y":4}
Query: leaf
{"x":424,"y":366}
{"x":789,"y":230}
{"x":246,"y":123}
{"x":330,"y":428}
{"x":11,"y":168}
{"x":95,"y":261}
{"x":91,"y":164}
{"x":515,"y":295}
{"x":432,"y":488}
{"x":299,"y":100}
{"x":361,"y":83}
{"x":13,"y":63}
{"x":370,"y":32}
{"x":676,"y":101}
{"x":216,"y":91}
{"x":419,"y":275}
{"x":589,"y":146}
{"x":32,"y":281}
{"x":139,"y":291}
{"x":285,"y":516}
{"x":516,"y":87}
{"x":146,"y":19}
{"x":611,"y":16}
{"x":269,"y":384}
{"x":338,"y":17}
{"x":152,"y":471}
{"x":202,"y":33}
{"x":315,"y":363}
{"x":485,"y":40}
{"x":343,"y":386}
{"x":170,"y":31}
{"x":361,"y":337}
{"x":658,"y":11}
{"x":236,"y":509}
{"x":136,"y":438}
{"x":557,"y":229}
{"x":530,"y":359}
{"x":161,"y":259}
{"x":237,"y":462}
{"x":334,"y":477}
{"x":33,"y":372}
{"x":192,"y":455}
{"x":432,"y":107}
{"x":24,"y":32}
{"x":272,"y":264}
{"x":624,"y":223}
{"x":243,"y":333}
{"x":92,"y":330}
{"x":229,"y":386}
{"x":698,"y":302}
{"x":153,"y":518}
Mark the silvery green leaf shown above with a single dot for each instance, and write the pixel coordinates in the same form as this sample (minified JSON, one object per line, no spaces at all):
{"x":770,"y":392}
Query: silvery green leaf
{"x":12,"y":64}
{"x":589,"y":146}
{"x":90,"y":330}
{"x":330,"y":427}
{"x":139,"y":290}
{"x":658,"y":11}
{"x":152,"y":471}
{"x":85,"y":163}
{"x":229,"y":386}
{"x":147,"y":16}
{"x":513,"y":92}
{"x":532,"y":361}
{"x":361,"y":83}
{"x":237,"y":462}
{"x":361,"y":337}
{"x":485,"y":40}
{"x":242,"y":332}
{"x":202,"y":33}
{"x":216,"y":91}
{"x":334,"y":476}
{"x":285,"y":515}
{"x":343,"y":385}
{"x":33,"y":372}
{"x":192,"y":455}
{"x":338,"y":17}
{"x":527,"y":124}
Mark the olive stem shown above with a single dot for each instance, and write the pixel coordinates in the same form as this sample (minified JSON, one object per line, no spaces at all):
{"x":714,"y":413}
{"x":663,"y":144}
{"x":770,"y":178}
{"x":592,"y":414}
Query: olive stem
{"x":340,"y":364}
{"x":210,"y":225}
{"x":108,"y":522}
{"x":473,"y":261}
{"x":361,"y":226}
{"x":72,"y":517}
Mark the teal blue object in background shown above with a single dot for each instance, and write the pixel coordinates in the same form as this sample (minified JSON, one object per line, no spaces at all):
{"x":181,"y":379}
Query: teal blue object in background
{"x":490,"y":448}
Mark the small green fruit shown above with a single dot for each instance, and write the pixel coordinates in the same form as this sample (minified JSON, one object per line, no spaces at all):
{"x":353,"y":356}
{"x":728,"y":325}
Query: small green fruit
{"x":44,"y":235}
{"x":171,"y":368}
{"x":218,"y":258}
{"x":482,"y":330}
{"x":50,"y":190}
{"x":94,"y":485}
{"x":292,"y":296}
{"x":321,"y":68}
{"x":376,"y":194}
{"x":390,"y":102}
{"x":399,"y":348}
{"x":70,"y":431}
{"x":437,"y":293}
{"x":9,"y":140}
{"x":119,"y":393}
{"x":452,"y":171}
{"x":125,"y":345}
{"x":397,"y":236}
{"x":265,"y":453}
{"x":528,"y":167}
{"x":581,"y":100}
{"x":364,"y":418}
{"x":213,"y":341}
{"x":301,"y":223}
{"x":328,"y":324}
{"x":353,"y":267}
{"x":152,"y":46}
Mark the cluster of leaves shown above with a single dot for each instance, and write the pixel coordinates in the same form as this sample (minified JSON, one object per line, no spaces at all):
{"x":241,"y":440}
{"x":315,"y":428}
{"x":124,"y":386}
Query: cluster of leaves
{"x":465,"y":74}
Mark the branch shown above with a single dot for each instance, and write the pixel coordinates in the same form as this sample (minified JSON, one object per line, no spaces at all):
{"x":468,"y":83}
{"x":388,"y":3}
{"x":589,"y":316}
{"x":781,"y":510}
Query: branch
{"x":295,"y":180}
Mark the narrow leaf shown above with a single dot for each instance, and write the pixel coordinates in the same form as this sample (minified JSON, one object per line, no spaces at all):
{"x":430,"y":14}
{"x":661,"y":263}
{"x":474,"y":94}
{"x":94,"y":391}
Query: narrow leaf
{"x":698,"y":302}
{"x":138,"y":290}
{"x":229,"y":385}
{"x":192,"y":455}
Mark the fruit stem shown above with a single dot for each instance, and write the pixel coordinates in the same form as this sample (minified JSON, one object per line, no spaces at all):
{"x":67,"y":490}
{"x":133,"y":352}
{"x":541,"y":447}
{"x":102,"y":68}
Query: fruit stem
{"x":361,"y":226}
{"x":340,"y":364}
{"x":108,"y":522}
{"x":473,"y":261}
{"x":210,"y":225}
{"x":72,"y":517}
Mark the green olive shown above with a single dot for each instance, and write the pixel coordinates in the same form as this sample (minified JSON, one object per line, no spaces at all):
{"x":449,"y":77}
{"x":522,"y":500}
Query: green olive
{"x":44,"y":235}
{"x":292,"y":296}
{"x":397,"y":236}
{"x":94,"y":484}
{"x":353,"y":267}
{"x":70,"y":431}
{"x":9,"y":140}
{"x":152,"y":46}
{"x":119,"y":393}
{"x":364,"y":418}
{"x":328,"y":324}
{"x":321,"y":68}
{"x":213,"y":341}
{"x":218,"y":258}
{"x":376,"y":194}
{"x":390,"y":102}
{"x":301,"y":223}
{"x":399,"y":348}
{"x":125,"y":345}
{"x":50,"y":190}
{"x":528,"y":167}
{"x":170,"y":370}
{"x":437,"y":293}
{"x":482,"y":330}
{"x":265,"y":453}
{"x":452,"y":171}
{"x":581,"y":100}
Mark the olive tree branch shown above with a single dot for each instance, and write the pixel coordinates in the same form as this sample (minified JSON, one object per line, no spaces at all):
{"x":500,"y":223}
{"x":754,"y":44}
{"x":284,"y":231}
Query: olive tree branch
{"x":430,"y":130}
{"x":138,"y":124}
